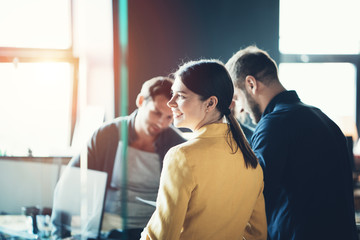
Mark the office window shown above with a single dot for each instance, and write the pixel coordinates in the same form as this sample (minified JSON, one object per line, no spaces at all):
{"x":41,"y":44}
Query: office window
{"x":319,"y":43}
{"x":328,"y":86}
{"x":37,"y":76}
{"x":35,"y":107}
{"x":35,"y":23}
{"x":319,"y":27}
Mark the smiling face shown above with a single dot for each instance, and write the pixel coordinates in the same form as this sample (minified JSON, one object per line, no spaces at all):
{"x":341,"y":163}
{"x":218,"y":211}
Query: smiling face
{"x":187,"y":108}
{"x":154,"y":116}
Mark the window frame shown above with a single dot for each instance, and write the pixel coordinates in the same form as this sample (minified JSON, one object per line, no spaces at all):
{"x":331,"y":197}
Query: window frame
{"x":33,"y":55}
{"x":42,"y":55}
{"x":331,"y":58}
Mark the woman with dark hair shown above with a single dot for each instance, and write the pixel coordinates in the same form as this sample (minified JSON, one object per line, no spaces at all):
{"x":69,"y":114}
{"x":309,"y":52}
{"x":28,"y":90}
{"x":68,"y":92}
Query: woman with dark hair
{"x":211,"y":186}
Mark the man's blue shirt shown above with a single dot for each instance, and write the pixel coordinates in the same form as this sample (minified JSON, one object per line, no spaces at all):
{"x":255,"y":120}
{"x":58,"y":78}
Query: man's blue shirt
{"x":307,"y":173}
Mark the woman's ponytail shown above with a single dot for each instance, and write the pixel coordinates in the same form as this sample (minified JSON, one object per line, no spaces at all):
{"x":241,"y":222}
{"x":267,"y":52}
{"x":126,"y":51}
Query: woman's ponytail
{"x":241,"y":141}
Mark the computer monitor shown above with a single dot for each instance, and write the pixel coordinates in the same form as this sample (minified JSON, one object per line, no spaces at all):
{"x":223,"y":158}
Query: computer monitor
{"x":79,"y":203}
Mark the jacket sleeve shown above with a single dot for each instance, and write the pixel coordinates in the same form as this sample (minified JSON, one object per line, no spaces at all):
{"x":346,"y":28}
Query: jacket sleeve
{"x":176,"y":185}
{"x":257,"y":227}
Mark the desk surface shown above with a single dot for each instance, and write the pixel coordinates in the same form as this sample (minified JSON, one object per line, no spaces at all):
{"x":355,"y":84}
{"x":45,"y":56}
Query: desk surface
{"x":16,"y":225}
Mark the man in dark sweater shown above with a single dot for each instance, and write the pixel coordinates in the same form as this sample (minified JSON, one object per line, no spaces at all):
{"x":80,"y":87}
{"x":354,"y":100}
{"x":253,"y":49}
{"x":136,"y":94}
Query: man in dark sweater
{"x":307,"y":173}
{"x":150,"y":135}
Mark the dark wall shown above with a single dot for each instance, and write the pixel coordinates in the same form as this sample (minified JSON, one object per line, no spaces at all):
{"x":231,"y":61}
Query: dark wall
{"x":165,"y":33}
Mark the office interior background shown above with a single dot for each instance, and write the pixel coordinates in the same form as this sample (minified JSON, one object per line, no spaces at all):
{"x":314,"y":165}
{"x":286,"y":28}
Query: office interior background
{"x":66,"y":66}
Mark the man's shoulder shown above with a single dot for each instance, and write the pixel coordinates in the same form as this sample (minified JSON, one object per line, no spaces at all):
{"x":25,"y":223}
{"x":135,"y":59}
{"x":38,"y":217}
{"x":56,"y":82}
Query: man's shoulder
{"x":271,"y":121}
{"x":168,"y":138}
{"x":276,"y":125}
{"x":111,"y":127}
{"x":286,"y":114}
{"x":174,"y":132}
{"x":172,"y":136}
{"x":286,"y":121}
{"x":114,"y":122}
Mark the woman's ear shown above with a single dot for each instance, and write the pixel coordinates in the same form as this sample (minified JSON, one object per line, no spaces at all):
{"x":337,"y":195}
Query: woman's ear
{"x":211,"y":103}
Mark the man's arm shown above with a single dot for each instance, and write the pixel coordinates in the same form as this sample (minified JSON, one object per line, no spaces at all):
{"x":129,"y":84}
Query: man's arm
{"x":270,"y":144}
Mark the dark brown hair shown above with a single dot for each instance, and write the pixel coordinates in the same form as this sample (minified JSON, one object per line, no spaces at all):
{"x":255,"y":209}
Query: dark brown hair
{"x":210,"y":78}
{"x":157,"y":86}
{"x":255,"y":62}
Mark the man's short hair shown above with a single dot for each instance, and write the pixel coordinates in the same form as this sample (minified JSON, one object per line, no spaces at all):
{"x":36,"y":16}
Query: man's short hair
{"x":157,"y":86}
{"x":252,"y":61}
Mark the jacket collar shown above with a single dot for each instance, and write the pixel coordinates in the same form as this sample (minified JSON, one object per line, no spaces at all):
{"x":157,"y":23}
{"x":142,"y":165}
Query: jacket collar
{"x":283,"y":97}
{"x":211,"y":130}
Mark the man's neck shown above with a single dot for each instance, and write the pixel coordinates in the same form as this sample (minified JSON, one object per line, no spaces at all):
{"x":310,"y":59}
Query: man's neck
{"x":269,"y":95}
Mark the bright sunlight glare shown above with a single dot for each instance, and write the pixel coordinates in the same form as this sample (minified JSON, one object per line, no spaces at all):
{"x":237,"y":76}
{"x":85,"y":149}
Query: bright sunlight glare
{"x":35,"y":23}
{"x":319,"y":27}
{"x":35,"y":106}
{"x":328,"y":86}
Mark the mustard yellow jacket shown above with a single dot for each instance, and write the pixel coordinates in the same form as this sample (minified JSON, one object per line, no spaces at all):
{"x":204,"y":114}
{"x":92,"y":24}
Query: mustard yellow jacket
{"x":206,"y":192}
